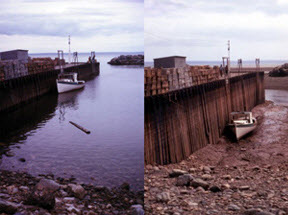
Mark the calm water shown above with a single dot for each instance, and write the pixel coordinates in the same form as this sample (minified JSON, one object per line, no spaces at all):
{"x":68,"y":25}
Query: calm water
{"x":279,"y":97}
{"x":111,"y":106}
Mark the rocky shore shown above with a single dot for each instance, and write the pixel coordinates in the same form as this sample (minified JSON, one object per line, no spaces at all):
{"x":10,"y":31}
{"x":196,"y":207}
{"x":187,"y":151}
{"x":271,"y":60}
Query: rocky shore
{"x":23,"y":194}
{"x":127,"y":60}
{"x":249,"y":177}
{"x":279,"y":71}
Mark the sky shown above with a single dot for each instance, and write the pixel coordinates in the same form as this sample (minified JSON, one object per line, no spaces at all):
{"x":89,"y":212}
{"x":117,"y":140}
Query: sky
{"x":200,"y":29}
{"x":43,"y":26}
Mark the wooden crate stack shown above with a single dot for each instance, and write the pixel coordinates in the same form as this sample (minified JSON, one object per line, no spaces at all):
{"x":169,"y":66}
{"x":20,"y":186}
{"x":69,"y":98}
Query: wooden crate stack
{"x":159,"y":81}
{"x":156,"y":81}
{"x":2,"y":73}
{"x":204,"y":74}
{"x":38,"y":65}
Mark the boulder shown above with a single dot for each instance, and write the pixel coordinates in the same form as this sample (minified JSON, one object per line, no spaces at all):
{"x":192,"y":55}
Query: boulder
{"x":8,"y":207}
{"x":137,"y":210}
{"x":163,"y":197}
{"x":48,"y":185}
{"x":184,"y":180}
{"x":233,"y":207}
{"x":41,"y":198}
{"x":215,"y":189}
{"x":197,"y":182}
{"x":127,"y":60}
{"x":78,"y":190}
{"x":177,"y":172}
{"x":279,"y":71}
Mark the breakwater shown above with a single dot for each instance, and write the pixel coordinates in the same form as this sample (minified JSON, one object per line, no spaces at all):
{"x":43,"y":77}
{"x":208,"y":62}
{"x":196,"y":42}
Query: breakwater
{"x":181,"y":121}
{"x":16,"y":91}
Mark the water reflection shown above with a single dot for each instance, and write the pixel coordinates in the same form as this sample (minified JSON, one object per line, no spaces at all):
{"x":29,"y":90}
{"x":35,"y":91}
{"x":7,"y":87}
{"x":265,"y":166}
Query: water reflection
{"x":17,"y":125}
{"x":67,"y":101}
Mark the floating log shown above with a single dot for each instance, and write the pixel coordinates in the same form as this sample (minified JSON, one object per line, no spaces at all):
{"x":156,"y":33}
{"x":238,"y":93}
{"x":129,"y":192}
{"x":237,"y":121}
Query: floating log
{"x":80,"y":127}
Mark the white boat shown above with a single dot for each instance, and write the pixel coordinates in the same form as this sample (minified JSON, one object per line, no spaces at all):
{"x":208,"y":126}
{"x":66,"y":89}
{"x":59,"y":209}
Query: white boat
{"x":69,"y":82}
{"x":242,"y":123}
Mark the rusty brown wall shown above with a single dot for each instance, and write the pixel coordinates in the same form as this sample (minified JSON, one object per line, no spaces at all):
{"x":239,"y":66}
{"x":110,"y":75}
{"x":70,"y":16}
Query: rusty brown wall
{"x":180,"y":122}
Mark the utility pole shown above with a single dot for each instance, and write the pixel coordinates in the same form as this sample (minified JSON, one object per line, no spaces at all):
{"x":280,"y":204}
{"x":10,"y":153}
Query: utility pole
{"x":69,"y":49}
{"x":228,"y":57}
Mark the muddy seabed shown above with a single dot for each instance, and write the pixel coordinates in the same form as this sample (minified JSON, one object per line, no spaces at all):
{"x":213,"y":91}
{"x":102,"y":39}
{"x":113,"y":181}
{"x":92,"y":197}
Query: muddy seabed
{"x":248,"y":177}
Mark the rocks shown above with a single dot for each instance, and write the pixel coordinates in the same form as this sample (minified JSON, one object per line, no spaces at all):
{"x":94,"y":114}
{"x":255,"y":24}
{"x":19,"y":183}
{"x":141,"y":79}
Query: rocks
{"x":78,"y":190}
{"x":163,"y":197}
{"x":233,"y":207}
{"x":206,"y":169}
{"x":256,"y":211}
{"x":125,"y":186}
{"x":22,"y":160}
{"x":12,"y":189}
{"x":38,"y":195}
{"x":8,"y":207}
{"x":127,"y":60}
{"x":207,"y":177}
{"x":41,"y":198}
{"x":9,"y":154}
{"x":137,"y":210}
{"x":215,"y":189}
{"x":69,"y":199}
{"x":184,"y":180}
{"x":244,"y":187}
{"x":280,"y":71}
{"x":48,"y":185}
{"x":177,"y":172}
{"x":226,"y":177}
{"x":197,"y":182}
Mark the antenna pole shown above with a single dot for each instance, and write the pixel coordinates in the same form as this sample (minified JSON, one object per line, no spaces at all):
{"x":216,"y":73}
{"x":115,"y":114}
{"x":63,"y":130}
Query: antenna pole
{"x":228,"y":56}
{"x":69,"y":49}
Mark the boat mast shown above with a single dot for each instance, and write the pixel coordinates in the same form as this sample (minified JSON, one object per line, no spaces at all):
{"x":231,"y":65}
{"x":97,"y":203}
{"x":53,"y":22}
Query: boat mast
{"x":69,"y":49}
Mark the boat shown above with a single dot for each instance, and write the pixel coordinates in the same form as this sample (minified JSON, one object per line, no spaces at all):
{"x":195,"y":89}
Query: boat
{"x":68,"y":82}
{"x":242,"y":123}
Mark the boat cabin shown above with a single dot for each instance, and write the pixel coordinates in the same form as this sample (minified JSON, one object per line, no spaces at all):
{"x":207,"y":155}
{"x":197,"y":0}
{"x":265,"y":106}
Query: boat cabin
{"x":68,"y":77}
{"x":241,"y":117}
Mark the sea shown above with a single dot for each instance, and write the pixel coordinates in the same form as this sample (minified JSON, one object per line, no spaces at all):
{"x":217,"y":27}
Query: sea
{"x":111,"y":106}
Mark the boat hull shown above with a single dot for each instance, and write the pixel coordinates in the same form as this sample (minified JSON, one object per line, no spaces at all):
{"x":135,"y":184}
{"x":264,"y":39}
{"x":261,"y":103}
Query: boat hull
{"x":66,"y":87}
{"x":242,"y":130}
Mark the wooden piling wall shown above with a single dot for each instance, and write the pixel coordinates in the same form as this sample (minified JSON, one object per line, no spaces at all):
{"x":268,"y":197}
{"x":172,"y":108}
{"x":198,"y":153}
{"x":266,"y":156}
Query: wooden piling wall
{"x":16,"y":91}
{"x":179,"y":122}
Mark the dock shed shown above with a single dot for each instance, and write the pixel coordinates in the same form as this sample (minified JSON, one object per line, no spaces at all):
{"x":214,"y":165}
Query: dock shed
{"x":170,"y":62}
{"x":17,"y":54}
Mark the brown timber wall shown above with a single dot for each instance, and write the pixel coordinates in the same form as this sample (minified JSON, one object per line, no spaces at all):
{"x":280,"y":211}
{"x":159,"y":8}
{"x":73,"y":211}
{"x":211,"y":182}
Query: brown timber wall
{"x":16,"y":91}
{"x":179,"y":122}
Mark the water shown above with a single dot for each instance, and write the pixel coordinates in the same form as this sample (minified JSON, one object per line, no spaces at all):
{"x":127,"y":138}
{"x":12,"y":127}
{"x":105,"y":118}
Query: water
{"x":111,"y":106}
{"x":279,"y":97}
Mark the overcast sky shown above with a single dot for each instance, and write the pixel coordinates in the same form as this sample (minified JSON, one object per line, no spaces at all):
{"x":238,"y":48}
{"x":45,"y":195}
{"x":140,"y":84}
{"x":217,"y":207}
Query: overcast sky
{"x":200,"y":29}
{"x":94,"y":25}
